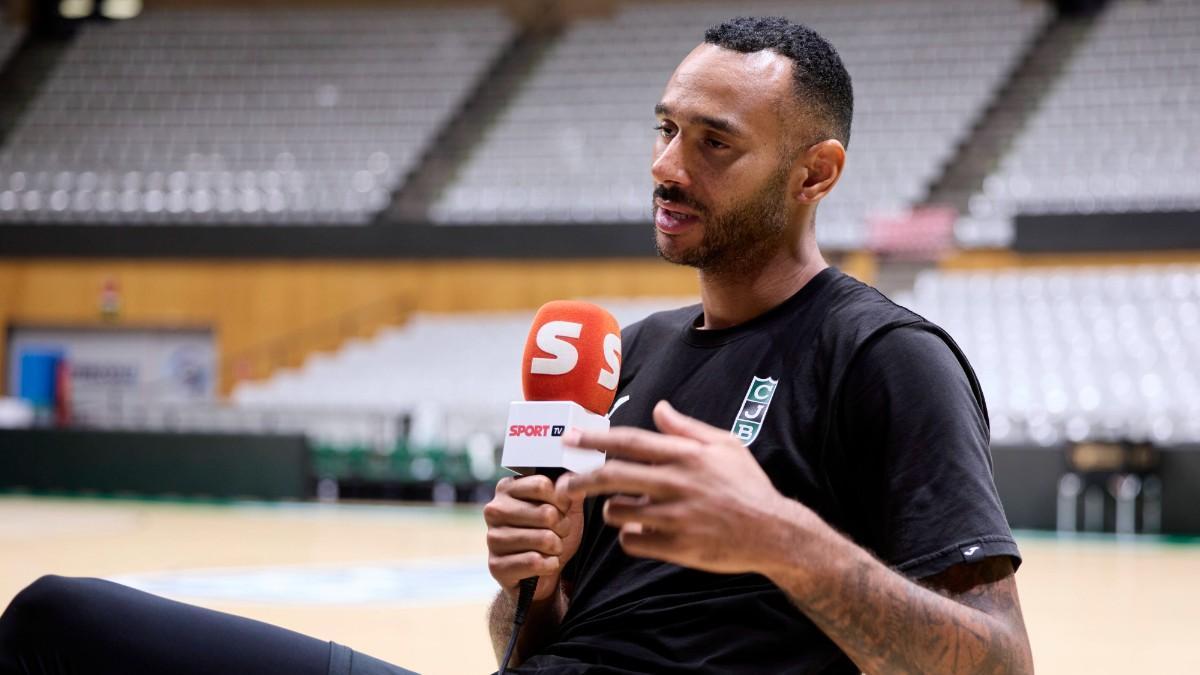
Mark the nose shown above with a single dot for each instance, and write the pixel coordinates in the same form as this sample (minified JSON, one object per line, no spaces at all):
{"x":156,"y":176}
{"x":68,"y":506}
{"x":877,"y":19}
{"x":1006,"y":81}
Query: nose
{"x":669,"y":165}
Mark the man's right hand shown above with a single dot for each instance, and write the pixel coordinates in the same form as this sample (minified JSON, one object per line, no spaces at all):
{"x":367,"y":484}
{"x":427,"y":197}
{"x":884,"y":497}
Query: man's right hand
{"x":533,"y":530}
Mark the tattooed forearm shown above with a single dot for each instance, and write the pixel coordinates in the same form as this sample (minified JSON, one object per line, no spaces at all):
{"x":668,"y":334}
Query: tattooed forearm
{"x":965,"y":620}
{"x":888,"y":624}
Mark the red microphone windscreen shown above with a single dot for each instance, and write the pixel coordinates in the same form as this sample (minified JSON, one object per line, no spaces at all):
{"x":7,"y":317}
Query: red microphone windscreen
{"x":573,"y":353}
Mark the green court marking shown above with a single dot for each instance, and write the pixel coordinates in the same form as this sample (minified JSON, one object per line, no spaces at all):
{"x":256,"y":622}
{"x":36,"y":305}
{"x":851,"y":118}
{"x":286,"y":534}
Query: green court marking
{"x":471,"y":512}
{"x":76,"y":495}
{"x":1174,"y":540}
{"x":422,"y":510}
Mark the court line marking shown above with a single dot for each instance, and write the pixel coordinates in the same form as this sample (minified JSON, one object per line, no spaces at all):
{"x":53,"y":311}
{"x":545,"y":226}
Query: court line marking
{"x":422,"y":582}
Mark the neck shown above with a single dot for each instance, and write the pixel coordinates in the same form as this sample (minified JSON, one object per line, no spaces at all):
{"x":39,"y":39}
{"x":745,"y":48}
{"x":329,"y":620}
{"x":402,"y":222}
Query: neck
{"x":730,"y":299}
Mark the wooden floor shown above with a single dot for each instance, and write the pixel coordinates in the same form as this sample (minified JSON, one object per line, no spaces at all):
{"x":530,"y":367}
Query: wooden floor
{"x":1092,"y":605}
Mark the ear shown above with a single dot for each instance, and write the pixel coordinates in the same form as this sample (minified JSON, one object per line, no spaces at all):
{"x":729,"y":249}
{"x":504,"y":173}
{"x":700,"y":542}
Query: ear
{"x":822,"y":164}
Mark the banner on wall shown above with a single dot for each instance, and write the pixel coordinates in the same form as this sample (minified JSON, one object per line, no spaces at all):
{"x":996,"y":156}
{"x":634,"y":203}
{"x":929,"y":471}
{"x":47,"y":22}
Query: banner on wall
{"x":105,"y":364}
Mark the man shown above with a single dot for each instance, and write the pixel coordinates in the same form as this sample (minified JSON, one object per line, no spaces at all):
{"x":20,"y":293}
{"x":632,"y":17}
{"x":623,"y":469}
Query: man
{"x":799,"y":480}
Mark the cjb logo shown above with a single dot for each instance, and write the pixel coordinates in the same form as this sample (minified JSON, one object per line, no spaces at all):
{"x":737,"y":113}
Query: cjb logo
{"x":754,"y":409}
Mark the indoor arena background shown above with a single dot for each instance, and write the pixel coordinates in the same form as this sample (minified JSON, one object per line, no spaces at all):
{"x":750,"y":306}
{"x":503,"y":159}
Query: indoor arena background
{"x":266,"y":270}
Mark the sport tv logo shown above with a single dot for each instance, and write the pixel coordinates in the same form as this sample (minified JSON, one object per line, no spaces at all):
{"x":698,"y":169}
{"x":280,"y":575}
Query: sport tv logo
{"x":536,"y":430}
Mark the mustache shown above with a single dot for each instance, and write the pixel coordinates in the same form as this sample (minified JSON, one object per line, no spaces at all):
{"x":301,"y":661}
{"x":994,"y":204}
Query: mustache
{"x":676,"y":194}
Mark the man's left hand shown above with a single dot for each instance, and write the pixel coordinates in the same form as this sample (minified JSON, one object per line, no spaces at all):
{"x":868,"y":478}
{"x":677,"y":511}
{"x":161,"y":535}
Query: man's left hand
{"x":692,"y":495}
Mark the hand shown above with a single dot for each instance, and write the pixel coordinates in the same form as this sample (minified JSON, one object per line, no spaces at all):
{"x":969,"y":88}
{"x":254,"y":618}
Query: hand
{"x":702,"y":500}
{"x":533,"y":530}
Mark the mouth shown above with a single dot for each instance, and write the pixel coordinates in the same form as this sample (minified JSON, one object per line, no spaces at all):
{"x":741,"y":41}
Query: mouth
{"x":671,"y":218}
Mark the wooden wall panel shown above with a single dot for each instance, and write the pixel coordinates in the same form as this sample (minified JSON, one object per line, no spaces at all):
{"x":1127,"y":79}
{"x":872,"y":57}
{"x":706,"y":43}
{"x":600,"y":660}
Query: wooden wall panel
{"x":989,"y":259}
{"x":249,"y":304}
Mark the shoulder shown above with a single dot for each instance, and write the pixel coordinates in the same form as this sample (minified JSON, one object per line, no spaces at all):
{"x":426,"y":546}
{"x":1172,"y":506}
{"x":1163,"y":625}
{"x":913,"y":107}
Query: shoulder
{"x":920,"y":342}
{"x":855,"y":317}
{"x":870,"y":327}
{"x":913,"y":368}
{"x":856,"y":306}
{"x":880,"y":345}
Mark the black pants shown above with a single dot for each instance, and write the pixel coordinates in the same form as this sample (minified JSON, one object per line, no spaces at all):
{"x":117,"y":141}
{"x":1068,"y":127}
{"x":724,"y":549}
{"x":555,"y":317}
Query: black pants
{"x":62,"y":625}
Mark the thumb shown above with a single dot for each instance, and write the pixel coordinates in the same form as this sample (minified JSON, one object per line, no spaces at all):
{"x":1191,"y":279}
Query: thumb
{"x":574,"y":504}
{"x":671,"y":421}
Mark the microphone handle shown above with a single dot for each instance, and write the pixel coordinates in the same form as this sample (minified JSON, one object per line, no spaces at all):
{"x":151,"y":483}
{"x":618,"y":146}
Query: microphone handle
{"x":551,"y":472}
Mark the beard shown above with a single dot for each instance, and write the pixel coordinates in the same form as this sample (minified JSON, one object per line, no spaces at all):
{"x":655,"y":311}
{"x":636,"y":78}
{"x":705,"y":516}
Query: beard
{"x":738,"y":239}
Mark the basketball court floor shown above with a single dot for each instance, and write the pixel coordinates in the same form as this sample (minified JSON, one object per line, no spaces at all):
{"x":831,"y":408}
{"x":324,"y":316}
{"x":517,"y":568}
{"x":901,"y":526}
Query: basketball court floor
{"x":409,"y":584}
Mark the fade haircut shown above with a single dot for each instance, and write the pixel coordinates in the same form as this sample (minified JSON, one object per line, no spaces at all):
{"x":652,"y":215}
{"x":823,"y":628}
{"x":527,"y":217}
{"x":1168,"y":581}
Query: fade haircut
{"x":820,"y":81}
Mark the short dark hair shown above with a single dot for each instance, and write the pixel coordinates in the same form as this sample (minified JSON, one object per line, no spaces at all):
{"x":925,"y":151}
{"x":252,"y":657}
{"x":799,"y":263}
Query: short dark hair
{"x":819,"y":77}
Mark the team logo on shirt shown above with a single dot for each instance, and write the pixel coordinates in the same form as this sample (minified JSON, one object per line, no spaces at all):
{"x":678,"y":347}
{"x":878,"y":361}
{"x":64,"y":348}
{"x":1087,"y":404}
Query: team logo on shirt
{"x":754,"y":409}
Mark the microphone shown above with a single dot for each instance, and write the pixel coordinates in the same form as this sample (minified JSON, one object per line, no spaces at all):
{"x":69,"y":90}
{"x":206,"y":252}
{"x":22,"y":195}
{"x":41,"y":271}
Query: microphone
{"x":569,"y":376}
{"x":570,"y":369}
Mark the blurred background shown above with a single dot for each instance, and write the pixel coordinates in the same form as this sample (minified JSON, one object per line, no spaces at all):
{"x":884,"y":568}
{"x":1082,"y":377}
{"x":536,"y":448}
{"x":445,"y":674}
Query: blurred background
{"x":267,"y":268}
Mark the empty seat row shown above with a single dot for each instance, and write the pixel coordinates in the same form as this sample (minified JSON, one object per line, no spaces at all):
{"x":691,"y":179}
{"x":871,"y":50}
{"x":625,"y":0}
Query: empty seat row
{"x":1076,"y":354}
{"x":255,"y":116}
{"x":1116,"y":132}
{"x":923,"y":72}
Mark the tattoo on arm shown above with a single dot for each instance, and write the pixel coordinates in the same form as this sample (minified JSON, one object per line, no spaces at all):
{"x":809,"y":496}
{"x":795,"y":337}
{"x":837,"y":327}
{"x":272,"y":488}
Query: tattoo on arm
{"x":964,"y":620}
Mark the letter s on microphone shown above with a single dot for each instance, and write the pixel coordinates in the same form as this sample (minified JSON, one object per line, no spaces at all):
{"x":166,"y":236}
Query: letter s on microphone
{"x":564,"y":356}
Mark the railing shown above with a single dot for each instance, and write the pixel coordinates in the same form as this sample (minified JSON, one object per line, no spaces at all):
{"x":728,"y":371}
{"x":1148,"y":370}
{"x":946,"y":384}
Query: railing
{"x":377,"y":430}
{"x":290,"y":350}
{"x":352,"y":447}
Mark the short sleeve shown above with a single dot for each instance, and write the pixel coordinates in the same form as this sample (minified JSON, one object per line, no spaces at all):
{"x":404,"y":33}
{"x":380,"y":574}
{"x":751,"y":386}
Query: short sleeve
{"x":919,"y":441}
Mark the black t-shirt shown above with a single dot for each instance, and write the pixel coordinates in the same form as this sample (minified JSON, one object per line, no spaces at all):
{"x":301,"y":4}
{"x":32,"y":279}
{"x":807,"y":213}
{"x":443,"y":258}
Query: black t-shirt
{"x":855,"y":407}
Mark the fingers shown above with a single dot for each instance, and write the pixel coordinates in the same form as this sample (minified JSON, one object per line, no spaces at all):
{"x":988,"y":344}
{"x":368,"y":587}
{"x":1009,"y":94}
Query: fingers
{"x":508,"y":540}
{"x":681,"y":435}
{"x":504,"y":511}
{"x":648,"y":543}
{"x":509,"y":570}
{"x":530,"y":502}
{"x":638,"y":445}
{"x":533,"y":489}
{"x":528,"y":523}
{"x":672,"y":422}
{"x":621,"y":511}
{"x":628,"y":477}
{"x":562,"y":486}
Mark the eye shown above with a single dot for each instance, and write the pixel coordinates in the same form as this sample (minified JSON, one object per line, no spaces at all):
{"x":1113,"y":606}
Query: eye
{"x":715,"y":144}
{"x":664,"y":130}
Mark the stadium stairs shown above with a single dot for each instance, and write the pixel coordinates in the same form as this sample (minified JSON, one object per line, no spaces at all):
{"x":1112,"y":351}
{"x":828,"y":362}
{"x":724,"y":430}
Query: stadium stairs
{"x":1012,"y":106}
{"x":23,"y":74}
{"x":452,"y":146}
{"x":996,"y":129}
{"x":328,"y":336}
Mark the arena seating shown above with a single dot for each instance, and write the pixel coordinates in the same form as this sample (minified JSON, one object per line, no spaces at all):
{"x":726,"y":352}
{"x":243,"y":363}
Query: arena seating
{"x":434,"y":370}
{"x":431,"y":366}
{"x":575,"y":144}
{"x":1063,"y":354}
{"x":243,"y":116}
{"x":317,"y":116}
{"x":246,"y":116}
{"x":1071,"y":354}
{"x":1119,"y":131}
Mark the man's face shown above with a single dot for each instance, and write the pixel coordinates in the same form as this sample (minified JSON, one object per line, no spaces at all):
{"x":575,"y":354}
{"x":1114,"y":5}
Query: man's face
{"x":720,"y":166}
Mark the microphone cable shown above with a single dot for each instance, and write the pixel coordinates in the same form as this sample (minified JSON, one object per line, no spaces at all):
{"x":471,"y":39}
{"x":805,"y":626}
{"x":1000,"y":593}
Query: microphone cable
{"x":524,"y":600}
